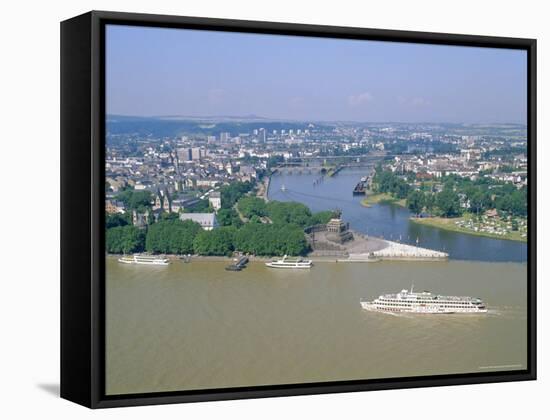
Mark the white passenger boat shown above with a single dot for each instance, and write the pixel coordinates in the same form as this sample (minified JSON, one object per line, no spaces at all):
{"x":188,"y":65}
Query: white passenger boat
{"x":286,"y":262}
{"x":424,"y":303}
{"x":144,"y":259}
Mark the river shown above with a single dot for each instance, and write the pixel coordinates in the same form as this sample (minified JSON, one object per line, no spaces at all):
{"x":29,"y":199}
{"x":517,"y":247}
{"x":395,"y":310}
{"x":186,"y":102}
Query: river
{"x":387,"y":220}
{"x":196,"y":326}
{"x":191,"y":326}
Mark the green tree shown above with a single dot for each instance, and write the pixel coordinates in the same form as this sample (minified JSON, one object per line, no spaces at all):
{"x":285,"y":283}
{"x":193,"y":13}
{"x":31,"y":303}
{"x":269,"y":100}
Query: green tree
{"x":215,"y":242}
{"x":321,"y":218}
{"x":228,"y":217}
{"x":448,"y":203}
{"x":252,"y":206}
{"x":202,"y":206}
{"x":116,"y":219}
{"x":288,"y":212}
{"x":171,"y":236}
{"x":231,"y":193}
{"x":271,"y":239}
{"x":125,"y":239}
{"x":415,"y":201}
{"x":134,"y":200}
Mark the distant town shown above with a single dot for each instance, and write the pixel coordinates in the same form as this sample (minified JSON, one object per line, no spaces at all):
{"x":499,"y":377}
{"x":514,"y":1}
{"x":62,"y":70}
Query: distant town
{"x":195,"y":172}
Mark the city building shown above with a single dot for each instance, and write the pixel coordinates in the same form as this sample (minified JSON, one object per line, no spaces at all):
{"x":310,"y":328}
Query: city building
{"x":224,"y":137}
{"x":215,"y":199}
{"x":207,"y":221}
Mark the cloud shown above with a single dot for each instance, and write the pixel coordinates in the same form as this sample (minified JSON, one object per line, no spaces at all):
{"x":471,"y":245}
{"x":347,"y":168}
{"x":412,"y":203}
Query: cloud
{"x":360,"y":99}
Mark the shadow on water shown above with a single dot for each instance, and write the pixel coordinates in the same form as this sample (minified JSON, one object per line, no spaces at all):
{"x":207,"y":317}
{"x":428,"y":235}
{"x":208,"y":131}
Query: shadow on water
{"x":52,"y":389}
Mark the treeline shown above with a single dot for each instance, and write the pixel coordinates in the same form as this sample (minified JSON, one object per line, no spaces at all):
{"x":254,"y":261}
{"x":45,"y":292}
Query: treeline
{"x":462,"y":194}
{"x":388,"y":182}
{"x":231,"y":193}
{"x":173,"y":236}
{"x":280,"y":212}
{"x":458,"y":195}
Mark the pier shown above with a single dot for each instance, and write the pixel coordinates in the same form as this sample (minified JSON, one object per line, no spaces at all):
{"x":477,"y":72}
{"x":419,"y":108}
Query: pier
{"x":239,"y":264}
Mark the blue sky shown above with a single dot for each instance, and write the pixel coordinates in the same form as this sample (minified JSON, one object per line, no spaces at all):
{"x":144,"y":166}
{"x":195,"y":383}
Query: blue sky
{"x":157,"y":71}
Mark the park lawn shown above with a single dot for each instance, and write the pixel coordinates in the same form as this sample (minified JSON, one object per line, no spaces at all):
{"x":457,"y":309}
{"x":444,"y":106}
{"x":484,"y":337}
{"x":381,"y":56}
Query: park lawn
{"x":450,"y":224}
{"x":382,"y":198}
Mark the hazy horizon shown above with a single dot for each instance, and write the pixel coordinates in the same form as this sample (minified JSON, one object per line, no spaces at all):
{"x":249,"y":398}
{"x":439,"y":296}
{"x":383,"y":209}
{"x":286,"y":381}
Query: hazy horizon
{"x":160,"y":72}
{"x":268,"y":119}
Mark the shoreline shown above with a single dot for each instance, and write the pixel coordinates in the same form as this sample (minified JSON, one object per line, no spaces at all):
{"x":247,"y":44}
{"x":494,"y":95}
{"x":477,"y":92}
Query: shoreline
{"x":449,"y":225}
{"x":382,"y":198}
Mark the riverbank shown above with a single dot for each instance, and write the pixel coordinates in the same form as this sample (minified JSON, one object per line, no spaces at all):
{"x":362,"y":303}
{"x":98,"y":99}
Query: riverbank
{"x":382,"y":198}
{"x":454,"y":225}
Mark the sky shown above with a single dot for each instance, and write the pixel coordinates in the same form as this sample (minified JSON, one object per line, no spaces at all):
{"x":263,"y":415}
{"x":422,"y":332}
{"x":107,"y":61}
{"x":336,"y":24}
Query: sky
{"x":160,"y":72}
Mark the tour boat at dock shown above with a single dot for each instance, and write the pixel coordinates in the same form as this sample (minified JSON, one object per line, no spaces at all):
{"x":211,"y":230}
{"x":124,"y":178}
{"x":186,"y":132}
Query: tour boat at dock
{"x":144,"y":259}
{"x":424,"y":303}
{"x":286,"y":262}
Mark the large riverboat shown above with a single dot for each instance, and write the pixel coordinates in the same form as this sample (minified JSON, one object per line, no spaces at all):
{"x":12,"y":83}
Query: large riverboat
{"x":424,"y":303}
{"x":286,"y":262}
{"x":144,"y":259}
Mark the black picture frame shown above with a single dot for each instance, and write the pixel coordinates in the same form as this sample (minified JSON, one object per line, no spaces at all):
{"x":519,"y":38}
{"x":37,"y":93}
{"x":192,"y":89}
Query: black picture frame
{"x":82,"y":207}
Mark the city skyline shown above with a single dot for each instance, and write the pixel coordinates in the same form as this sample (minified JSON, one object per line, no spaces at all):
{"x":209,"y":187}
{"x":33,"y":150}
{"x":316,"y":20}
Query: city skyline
{"x":176,"y":72}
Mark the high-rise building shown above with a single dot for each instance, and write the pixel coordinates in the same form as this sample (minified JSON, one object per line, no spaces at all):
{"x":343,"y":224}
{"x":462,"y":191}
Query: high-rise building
{"x":261,"y":135}
{"x":184,"y":154}
{"x":196,"y":153}
{"x":224,"y":137}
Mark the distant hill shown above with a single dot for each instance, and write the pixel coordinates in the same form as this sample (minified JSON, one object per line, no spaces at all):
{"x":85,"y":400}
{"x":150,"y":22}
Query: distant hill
{"x":174,"y":126}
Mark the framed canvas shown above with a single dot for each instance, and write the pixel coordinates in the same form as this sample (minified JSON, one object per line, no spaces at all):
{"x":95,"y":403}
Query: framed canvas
{"x":256,"y":209}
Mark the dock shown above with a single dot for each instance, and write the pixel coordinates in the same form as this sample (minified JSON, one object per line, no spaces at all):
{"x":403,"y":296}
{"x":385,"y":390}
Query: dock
{"x":359,"y":189}
{"x":239,"y":264}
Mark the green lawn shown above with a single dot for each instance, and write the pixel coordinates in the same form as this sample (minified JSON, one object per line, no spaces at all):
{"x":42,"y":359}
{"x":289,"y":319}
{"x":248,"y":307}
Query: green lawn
{"x":382,"y":198}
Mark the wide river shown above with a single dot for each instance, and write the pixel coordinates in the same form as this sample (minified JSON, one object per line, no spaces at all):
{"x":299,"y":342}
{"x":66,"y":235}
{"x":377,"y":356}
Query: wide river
{"x":194,"y":325}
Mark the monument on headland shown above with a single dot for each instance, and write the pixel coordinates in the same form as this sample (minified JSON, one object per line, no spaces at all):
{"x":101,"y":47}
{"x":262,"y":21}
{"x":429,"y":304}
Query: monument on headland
{"x":338,"y":231}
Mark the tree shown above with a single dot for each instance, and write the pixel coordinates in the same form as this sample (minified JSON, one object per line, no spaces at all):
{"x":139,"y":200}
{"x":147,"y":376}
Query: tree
{"x":117,"y":219}
{"x":477,"y":201}
{"x":125,"y":240}
{"x":202,"y":206}
{"x":429,"y":202}
{"x":252,"y":206}
{"x":231,"y":193}
{"x":228,"y":217}
{"x":448,"y":203}
{"x":271,"y":239}
{"x":321,"y":218}
{"x":288,"y":212}
{"x":134,"y":200}
{"x":215,"y":242}
{"x":415,"y":201}
{"x":171,"y":236}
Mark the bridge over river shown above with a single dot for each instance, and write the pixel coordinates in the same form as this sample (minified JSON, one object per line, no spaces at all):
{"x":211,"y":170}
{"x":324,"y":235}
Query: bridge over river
{"x":330,"y":165}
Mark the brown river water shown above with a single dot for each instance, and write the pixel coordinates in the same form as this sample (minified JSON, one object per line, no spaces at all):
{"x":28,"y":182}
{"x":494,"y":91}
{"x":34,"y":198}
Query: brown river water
{"x":196,"y":326}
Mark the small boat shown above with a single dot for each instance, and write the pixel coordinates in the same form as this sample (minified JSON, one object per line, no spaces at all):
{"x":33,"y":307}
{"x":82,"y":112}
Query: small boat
{"x":283,"y":188}
{"x":144,"y":260}
{"x":286,"y":262}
